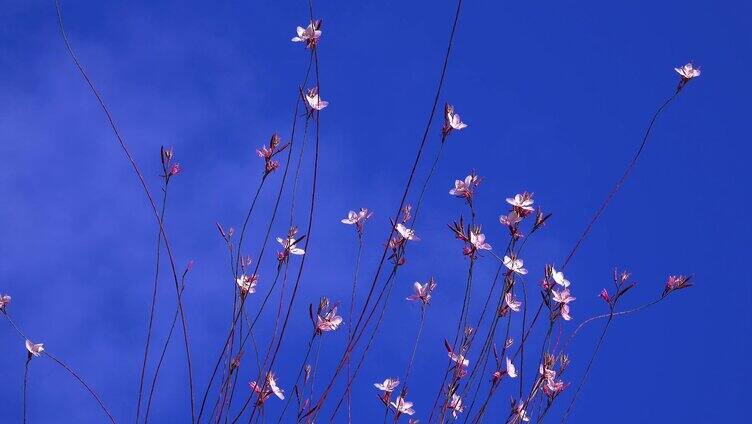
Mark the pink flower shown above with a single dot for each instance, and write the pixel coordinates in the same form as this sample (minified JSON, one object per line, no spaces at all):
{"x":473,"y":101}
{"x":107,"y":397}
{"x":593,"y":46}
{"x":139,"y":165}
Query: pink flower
{"x":422,"y":291}
{"x":402,"y":406}
{"x":272,"y":388}
{"x":34,"y":349}
{"x":688,"y":71}
{"x":515,"y":265}
{"x":357,"y":218}
{"x":175,"y":169}
{"x":4,"y":301}
{"x":388,"y":385}
{"x":314,"y":101}
{"x":465,"y":188}
{"x":406,"y":233}
{"x":510,"y":220}
{"x":309,"y":35}
{"x":522,"y":203}
{"x":247,"y":283}
{"x":511,"y":370}
{"x":558,"y":276}
{"x":478,"y":240}
{"x":563,"y":298}
{"x":455,"y":405}
{"x":330,"y":322}
{"x":511,"y":302}
{"x":553,"y":387}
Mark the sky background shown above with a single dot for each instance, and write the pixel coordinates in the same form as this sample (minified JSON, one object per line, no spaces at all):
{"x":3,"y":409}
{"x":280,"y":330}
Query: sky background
{"x":557,"y":96}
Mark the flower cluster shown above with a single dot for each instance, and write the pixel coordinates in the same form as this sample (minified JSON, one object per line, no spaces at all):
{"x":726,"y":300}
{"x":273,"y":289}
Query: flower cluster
{"x":676,"y":282}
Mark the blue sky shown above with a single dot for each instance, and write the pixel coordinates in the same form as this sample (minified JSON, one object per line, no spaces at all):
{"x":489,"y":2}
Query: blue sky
{"x":557,"y":96}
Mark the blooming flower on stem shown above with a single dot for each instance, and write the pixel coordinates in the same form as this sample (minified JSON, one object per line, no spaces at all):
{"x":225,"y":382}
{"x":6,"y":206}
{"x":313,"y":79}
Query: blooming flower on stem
{"x":522,"y":203}
{"x":388,"y":385}
{"x":515,"y":265}
{"x":35,"y":349}
{"x":558,"y":277}
{"x":329,"y":322}
{"x":686,"y":72}
{"x":247,"y":284}
{"x":563,"y":298}
{"x":512,"y":303}
{"x":406,"y":233}
{"x":309,"y":35}
{"x":466,"y":188}
{"x":478,"y":240}
{"x":455,"y":357}
{"x":267,"y":390}
{"x":402,"y":406}
{"x":455,"y":405}
{"x":357,"y":218}
{"x":314,"y":100}
{"x":511,"y":370}
{"x":452,"y":121}
{"x":422,"y":291}
{"x":289,"y":245}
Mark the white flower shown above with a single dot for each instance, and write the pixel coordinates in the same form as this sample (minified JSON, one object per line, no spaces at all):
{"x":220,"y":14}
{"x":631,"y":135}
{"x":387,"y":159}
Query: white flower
{"x":511,"y":370}
{"x":314,"y":100}
{"x":478,"y":240}
{"x":455,"y":405}
{"x":388,"y":385}
{"x":247,"y":283}
{"x":330,"y":322}
{"x":688,"y":71}
{"x":563,"y":297}
{"x":275,"y":389}
{"x":522,"y":201}
{"x":289,"y":244}
{"x":422,"y":291}
{"x":309,"y":35}
{"x":454,"y":120}
{"x":464,"y":188}
{"x":558,"y":276}
{"x":459,"y":359}
{"x":406,"y":233}
{"x":402,"y":406}
{"x":515,"y":265}
{"x":355,"y":218}
{"x":34,"y":349}
{"x":511,"y":302}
